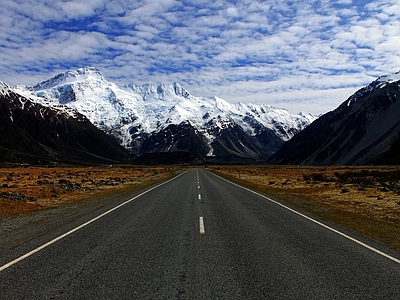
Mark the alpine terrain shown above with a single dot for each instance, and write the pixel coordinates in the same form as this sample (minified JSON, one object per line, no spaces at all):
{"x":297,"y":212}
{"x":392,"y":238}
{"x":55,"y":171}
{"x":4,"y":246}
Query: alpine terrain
{"x":364,"y":129}
{"x":167,"y":118}
{"x":34,"y":131}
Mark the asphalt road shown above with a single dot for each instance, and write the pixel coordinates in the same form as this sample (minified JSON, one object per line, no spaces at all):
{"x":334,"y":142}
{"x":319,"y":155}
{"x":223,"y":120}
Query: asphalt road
{"x":199,"y":237}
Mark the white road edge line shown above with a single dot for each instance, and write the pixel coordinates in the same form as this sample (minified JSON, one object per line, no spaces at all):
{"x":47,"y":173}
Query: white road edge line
{"x":201,"y":221}
{"x":317,"y":222}
{"x":2,"y":268}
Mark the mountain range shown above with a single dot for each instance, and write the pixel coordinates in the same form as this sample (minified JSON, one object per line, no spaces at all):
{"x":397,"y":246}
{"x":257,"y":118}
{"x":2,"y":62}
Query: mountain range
{"x":79,"y":116}
{"x":167,"y":118}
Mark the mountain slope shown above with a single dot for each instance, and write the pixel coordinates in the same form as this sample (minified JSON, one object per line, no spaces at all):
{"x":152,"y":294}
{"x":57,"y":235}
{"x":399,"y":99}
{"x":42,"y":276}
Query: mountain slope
{"x":165,"y":118}
{"x":31,"y":132}
{"x":364,"y":129}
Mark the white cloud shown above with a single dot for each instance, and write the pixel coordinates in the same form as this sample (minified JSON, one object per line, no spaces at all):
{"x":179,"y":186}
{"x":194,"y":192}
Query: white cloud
{"x":77,"y":9}
{"x":232,"y":12}
{"x":348,"y":2}
{"x":305,"y":54}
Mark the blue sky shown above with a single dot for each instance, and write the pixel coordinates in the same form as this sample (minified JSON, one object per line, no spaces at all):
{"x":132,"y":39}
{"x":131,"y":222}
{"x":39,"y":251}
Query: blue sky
{"x":308,"y":55}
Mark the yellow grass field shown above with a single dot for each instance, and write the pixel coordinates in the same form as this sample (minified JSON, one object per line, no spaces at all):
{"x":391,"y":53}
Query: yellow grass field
{"x":26,"y":189}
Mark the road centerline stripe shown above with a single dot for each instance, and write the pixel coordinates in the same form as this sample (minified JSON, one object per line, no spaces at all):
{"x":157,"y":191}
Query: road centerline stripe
{"x":201,"y":221}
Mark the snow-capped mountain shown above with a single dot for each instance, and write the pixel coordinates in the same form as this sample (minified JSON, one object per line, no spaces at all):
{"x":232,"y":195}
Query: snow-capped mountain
{"x":32,"y":132}
{"x":379,"y":83}
{"x":364,"y":129}
{"x":164,"y":118}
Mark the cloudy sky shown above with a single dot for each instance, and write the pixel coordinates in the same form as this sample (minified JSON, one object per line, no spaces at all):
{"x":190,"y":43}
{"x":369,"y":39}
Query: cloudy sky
{"x":307,"y":55}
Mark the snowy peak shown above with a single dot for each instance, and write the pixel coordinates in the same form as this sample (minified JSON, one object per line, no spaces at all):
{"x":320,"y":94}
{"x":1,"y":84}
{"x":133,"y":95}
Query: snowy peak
{"x":4,"y":88}
{"x":163,"y":91}
{"x":379,"y":83}
{"x":24,"y":96}
{"x":389,"y":78}
{"x":78,"y":75}
{"x":37,"y":131}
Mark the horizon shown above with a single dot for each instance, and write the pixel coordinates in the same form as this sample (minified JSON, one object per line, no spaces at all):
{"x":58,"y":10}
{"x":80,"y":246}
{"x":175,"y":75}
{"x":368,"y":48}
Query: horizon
{"x":309,"y":56}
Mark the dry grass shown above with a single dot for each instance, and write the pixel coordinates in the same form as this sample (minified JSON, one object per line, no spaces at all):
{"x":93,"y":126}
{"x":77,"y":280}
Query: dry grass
{"x":27,"y":189}
{"x":364,"y":199}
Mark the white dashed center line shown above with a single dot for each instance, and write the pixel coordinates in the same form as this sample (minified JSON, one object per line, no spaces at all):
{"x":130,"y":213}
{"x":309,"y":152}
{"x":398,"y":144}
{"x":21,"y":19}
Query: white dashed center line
{"x":202,"y":231}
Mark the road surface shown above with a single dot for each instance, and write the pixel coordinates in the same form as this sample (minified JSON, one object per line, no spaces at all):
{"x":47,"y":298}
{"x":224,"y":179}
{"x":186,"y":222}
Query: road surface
{"x":199,"y":236}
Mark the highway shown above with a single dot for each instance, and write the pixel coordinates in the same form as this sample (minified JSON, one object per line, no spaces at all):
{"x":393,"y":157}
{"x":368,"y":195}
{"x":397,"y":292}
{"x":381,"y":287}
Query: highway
{"x":199,"y":236}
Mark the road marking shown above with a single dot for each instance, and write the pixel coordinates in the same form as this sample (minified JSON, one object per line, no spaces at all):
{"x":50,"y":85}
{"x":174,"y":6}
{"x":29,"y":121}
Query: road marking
{"x":2,"y":268}
{"x":198,"y":186}
{"x":317,"y":222}
{"x":199,"y":196}
{"x":201,"y":221}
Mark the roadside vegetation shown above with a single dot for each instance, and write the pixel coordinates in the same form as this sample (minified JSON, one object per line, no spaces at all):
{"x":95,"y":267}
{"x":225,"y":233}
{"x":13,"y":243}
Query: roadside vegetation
{"x":27,"y":189}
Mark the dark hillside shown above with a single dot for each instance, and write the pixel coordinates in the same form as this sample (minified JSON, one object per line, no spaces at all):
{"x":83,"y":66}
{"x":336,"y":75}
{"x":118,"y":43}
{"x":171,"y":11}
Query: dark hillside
{"x":30,"y":132}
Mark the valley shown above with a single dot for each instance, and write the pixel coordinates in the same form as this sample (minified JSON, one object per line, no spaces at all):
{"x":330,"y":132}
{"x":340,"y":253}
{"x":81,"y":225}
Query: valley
{"x":363,"y":199}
